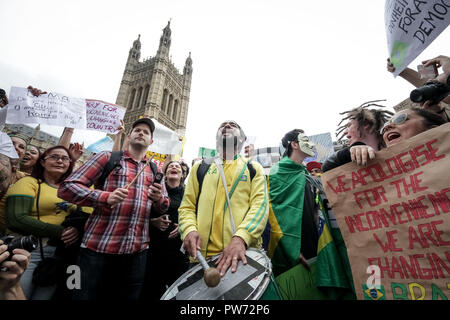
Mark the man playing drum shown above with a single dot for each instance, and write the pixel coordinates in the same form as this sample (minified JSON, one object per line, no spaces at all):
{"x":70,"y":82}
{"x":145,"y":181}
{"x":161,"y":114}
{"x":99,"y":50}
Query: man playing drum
{"x":225,"y":205}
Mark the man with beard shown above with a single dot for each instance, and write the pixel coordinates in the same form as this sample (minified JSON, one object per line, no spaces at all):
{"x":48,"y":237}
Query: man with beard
{"x":225,"y":208}
{"x":114,"y":248}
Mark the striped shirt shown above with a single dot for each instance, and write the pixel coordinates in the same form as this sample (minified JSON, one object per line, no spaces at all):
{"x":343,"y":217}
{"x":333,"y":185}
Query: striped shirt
{"x":124,"y":228}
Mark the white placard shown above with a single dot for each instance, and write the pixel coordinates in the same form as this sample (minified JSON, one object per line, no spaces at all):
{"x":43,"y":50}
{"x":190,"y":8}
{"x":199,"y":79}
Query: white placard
{"x":103,"y":116}
{"x":411,"y":26}
{"x":165,"y":141}
{"x":52,"y":108}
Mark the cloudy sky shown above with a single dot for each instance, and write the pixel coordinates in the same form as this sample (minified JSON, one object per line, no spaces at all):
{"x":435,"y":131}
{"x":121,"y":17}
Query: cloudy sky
{"x":271,"y":65}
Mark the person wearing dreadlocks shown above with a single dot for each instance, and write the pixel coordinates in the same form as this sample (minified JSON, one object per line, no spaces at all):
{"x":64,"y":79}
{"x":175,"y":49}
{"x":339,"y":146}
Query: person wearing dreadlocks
{"x":299,"y":229}
{"x":363,"y":135}
{"x":224,"y":209}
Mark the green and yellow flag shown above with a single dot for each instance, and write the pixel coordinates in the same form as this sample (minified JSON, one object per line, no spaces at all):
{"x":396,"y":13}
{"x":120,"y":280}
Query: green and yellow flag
{"x":286,"y":184}
{"x":333,"y":274}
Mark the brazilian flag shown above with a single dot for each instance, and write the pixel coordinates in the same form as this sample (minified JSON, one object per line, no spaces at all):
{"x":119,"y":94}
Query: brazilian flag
{"x":286,"y":183}
{"x":333,"y":268}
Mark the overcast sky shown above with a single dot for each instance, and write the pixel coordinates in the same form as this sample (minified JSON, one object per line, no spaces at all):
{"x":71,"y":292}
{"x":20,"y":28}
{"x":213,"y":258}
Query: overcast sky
{"x":271,"y":65}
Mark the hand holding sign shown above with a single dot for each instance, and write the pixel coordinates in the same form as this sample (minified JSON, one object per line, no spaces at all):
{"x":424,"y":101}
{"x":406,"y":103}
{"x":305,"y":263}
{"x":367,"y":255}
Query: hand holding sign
{"x":440,"y":61}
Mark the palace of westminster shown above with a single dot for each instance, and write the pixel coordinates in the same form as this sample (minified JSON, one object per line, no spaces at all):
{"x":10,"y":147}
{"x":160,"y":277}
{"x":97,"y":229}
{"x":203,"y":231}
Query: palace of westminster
{"x":153,"y":87}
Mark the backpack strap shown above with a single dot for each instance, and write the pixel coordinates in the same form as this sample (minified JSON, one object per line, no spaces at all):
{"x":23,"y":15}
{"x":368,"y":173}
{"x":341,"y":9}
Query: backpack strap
{"x":113,"y":163}
{"x":252,"y":170}
{"x":154,"y":168}
{"x":203,"y":169}
{"x":201,"y":172}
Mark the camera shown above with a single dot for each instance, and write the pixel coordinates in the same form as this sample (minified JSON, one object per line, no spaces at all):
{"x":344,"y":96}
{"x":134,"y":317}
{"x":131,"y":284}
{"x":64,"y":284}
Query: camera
{"x":435,"y":91}
{"x":28,"y":243}
{"x":158,"y":178}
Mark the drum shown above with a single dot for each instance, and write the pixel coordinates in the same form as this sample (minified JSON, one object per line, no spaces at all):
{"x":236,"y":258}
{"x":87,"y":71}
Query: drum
{"x":248,"y":282}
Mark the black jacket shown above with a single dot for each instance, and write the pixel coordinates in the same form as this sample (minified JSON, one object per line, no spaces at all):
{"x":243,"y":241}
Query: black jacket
{"x":339,"y":158}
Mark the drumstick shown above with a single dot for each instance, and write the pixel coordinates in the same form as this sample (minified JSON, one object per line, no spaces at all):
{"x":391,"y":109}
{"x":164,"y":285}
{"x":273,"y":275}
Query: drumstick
{"x":135,"y":178}
{"x":211,"y":275}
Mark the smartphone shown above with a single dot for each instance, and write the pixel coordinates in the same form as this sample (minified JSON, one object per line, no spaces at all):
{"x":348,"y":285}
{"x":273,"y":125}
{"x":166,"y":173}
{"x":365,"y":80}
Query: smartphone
{"x":429,"y":72}
{"x":158,"y":178}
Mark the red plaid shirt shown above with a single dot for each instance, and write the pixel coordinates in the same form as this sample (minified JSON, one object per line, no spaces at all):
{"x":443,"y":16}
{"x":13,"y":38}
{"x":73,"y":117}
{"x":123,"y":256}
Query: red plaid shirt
{"x":123,"y":229}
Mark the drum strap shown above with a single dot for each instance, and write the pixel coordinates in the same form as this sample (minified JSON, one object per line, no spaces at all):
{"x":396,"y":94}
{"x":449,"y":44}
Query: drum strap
{"x":222,"y":175}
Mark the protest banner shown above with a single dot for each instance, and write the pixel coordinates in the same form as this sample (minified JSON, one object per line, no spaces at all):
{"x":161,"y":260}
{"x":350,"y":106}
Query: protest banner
{"x":165,"y":140}
{"x":157,"y":158}
{"x":394,"y":217}
{"x":103,"y":116}
{"x":104,"y":144}
{"x":323,"y":147}
{"x":411,"y":26}
{"x":51,"y":109}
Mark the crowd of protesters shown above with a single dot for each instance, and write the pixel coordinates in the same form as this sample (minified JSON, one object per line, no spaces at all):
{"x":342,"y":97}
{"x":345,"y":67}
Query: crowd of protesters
{"x":123,"y":226}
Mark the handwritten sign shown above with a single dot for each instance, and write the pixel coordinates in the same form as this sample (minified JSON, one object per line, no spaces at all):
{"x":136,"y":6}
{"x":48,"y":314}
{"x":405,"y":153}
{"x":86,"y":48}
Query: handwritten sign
{"x":157,"y":158}
{"x":103,"y":116}
{"x":411,"y":26}
{"x":51,"y":109}
{"x":394,"y":215}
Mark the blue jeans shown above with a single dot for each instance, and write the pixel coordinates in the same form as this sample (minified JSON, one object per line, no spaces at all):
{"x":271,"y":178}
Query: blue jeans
{"x":31,"y":291}
{"x":110,"y":276}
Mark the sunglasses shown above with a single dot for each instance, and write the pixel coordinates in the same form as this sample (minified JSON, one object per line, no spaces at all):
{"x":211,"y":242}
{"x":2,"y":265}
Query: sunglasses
{"x":398,"y":119}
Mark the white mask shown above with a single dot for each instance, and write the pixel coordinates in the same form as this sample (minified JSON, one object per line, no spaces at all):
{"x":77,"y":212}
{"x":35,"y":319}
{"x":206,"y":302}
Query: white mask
{"x":305,"y":145}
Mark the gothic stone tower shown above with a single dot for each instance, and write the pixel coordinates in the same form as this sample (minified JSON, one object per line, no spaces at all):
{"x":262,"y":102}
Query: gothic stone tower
{"x":155,"y":87}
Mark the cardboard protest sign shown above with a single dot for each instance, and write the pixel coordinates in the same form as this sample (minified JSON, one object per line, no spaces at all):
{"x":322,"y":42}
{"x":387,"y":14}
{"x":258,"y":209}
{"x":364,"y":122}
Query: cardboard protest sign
{"x":51,"y":109}
{"x":103,"y":116}
{"x":411,"y":26}
{"x":394,"y":215}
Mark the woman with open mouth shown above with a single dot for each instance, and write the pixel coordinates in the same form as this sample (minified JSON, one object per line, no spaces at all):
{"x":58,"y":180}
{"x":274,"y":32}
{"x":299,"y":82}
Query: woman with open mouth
{"x":403,"y":125}
{"x":29,"y":160}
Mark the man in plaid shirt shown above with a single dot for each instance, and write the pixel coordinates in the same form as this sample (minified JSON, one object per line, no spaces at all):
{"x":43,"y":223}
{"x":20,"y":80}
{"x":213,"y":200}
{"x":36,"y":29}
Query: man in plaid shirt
{"x":113,"y":252}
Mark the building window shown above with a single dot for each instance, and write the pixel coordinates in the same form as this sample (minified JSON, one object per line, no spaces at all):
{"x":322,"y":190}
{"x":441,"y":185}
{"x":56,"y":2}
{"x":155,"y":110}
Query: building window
{"x":175,"y":110}
{"x":169,"y":107}
{"x":133,"y":93}
{"x":164,"y":100}
{"x":147,"y":89}
{"x":138,"y":98}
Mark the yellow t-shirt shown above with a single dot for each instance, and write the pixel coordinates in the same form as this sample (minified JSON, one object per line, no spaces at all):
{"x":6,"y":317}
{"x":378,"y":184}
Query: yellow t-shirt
{"x":51,"y":208}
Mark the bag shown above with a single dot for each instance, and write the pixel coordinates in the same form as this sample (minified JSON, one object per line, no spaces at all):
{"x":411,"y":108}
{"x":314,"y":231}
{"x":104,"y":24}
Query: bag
{"x":47,"y":272}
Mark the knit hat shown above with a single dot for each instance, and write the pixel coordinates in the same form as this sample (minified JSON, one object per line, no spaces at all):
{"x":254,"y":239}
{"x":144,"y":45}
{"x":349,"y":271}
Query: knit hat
{"x":313,"y":165}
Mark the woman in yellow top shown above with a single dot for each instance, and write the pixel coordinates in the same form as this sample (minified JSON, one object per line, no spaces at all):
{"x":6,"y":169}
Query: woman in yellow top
{"x":40,"y":191}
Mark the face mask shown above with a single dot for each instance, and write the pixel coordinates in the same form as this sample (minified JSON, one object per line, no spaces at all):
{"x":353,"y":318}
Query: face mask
{"x":305,"y":146}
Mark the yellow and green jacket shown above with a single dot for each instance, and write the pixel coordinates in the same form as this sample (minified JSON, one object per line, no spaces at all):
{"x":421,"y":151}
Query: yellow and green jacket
{"x":249,"y":203}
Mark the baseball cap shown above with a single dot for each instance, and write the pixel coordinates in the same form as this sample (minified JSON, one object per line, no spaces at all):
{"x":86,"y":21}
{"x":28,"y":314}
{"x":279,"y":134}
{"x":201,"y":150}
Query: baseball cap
{"x":146,"y":121}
